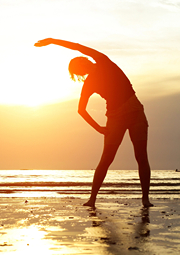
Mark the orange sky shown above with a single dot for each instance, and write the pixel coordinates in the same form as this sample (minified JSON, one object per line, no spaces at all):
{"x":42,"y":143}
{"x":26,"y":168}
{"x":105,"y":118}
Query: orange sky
{"x":56,"y":137}
{"x":142,"y":37}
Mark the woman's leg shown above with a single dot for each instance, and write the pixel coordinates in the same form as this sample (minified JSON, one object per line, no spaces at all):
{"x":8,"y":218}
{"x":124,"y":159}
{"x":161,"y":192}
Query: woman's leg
{"x":107,"y":158}
{"x":140,"y":150}
{"x":116,"y":130}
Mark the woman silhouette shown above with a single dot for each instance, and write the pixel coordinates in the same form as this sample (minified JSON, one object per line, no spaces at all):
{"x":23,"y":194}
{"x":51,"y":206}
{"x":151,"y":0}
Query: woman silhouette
{"x":124,"y":111}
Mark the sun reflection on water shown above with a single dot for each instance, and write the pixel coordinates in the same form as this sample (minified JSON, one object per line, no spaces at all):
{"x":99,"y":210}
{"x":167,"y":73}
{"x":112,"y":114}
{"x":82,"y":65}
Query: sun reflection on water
{"x":25,"y":241}
{"x":30,"y":240}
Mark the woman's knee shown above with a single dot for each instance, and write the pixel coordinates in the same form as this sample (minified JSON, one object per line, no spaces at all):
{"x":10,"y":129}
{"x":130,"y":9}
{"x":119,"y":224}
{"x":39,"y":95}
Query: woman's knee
{"x":141,"y":157}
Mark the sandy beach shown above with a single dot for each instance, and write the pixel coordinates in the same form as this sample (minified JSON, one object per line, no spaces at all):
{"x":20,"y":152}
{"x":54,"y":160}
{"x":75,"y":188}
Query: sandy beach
{"x":64,"y":226}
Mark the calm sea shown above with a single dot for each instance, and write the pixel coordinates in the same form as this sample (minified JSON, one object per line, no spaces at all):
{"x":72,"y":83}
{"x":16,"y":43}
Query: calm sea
{"x":77,"y":183}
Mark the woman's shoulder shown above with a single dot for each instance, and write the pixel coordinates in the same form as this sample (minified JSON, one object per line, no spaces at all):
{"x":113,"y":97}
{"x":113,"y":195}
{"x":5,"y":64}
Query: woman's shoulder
{"x":101,"y":58}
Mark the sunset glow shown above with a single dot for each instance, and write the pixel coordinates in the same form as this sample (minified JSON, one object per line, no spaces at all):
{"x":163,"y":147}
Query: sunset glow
{"x":37,"y":77}
{"x":31,"y":76}
{"x":40,"y":126}
{"x":89,"y":127}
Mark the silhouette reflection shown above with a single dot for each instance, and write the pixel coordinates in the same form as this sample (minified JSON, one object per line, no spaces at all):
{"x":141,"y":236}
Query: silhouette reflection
{"x":142,"y":229}
{"x":118,"y":233}
{"x":106,"y":236}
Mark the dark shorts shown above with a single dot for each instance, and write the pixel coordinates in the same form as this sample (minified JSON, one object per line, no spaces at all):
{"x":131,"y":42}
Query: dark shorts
{"x":130,"y":116}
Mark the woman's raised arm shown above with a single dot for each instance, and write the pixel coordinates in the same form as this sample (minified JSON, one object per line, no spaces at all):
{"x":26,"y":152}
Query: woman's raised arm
{"x":70,"y":45}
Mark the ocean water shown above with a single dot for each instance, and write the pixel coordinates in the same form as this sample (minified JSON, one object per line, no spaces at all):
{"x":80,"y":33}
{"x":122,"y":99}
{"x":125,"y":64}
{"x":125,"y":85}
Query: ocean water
{"x":77,"y":183}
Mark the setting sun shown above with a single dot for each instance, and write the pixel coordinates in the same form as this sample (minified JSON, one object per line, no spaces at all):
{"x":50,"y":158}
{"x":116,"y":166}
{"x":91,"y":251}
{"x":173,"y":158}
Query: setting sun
{"x":37,"y":76}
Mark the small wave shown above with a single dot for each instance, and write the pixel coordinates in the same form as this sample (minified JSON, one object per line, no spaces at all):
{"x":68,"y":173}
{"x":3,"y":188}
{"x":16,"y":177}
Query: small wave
{"x":88,"y":191}
{"x":81,"y":184}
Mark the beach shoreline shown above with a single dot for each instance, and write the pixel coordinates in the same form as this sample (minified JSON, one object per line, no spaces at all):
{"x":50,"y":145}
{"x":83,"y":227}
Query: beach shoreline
{"x":64,"y":226}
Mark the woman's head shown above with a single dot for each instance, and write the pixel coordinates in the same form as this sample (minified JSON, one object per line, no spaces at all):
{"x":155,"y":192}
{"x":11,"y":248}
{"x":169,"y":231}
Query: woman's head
{"x":79,"y":67}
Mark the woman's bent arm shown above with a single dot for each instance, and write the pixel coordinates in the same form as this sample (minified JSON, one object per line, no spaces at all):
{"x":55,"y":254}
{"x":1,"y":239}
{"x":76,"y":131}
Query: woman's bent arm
{"x":82,"y":111}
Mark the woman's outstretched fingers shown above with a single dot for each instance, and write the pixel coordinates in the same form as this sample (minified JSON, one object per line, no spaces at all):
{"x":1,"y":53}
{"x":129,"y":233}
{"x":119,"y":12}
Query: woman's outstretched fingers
{"x":43,"y":42}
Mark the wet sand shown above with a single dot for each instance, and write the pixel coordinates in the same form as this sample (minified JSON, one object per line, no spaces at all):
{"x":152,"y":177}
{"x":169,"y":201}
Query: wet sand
{"x":63,"y":226}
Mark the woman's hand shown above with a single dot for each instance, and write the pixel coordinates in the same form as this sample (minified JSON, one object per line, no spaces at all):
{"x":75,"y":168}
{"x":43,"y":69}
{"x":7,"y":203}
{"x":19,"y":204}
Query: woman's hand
{"x":43,"y":42}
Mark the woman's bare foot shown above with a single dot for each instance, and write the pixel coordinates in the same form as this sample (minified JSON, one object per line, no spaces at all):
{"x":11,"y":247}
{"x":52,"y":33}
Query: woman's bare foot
{"x":146,"y":203}
{"x":90,"y":203}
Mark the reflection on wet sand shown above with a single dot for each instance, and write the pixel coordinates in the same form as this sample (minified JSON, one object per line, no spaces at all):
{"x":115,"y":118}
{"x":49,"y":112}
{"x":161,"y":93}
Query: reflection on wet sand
{"x":64,"y":226}
{"x":115,"y":233}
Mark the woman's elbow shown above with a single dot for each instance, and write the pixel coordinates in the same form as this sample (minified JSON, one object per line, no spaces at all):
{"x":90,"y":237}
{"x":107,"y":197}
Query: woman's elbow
{"x":81,"y":111}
